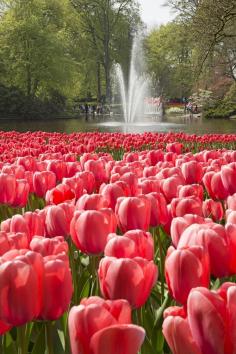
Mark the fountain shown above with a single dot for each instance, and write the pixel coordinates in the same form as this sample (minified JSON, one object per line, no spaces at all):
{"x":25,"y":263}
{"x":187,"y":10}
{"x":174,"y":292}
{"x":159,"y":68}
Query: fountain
{"x":140,"y":110}
{"x":135,"y":101}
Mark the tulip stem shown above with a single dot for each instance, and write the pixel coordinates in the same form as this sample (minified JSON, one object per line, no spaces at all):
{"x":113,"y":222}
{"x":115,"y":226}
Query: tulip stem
{"x":73,"y":270}
{"x":161,"y":265}
{"x":49,"y":341}
{"x":21,"y":340}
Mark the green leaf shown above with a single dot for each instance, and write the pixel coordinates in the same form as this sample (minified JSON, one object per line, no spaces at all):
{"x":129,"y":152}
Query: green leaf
{"x":39,"y":347}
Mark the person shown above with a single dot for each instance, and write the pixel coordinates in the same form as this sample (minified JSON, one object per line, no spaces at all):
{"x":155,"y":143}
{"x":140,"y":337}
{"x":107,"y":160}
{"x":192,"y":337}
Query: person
{"x":189,"y":109}
{"x":195,"y":109}
{"x":86,"y":108}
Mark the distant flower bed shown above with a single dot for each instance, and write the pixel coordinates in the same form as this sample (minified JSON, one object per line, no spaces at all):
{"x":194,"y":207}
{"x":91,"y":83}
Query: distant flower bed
{"x":175,"y":110}
{"x":110,"y":238}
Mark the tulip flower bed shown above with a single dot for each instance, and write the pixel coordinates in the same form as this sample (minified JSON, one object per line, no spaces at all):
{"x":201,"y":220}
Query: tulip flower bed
{"x":117,"y":243}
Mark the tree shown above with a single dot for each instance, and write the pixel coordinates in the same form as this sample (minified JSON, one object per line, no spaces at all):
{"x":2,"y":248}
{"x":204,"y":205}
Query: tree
{"x":34,"y":47}
{"x":169,"y":57}
{"x":212,"y":25}
{"x":101,"y":23}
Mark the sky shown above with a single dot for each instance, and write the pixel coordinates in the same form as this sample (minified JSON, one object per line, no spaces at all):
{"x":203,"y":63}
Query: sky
{"x":154,"y":13}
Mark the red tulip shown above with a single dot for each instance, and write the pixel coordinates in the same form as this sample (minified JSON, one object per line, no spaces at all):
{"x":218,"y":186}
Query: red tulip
{"x":89,"y":229}
{"x":159,"y":212}
{"x":231,"y":202}
{"x":28,"y":162}
{"x":43,"y":181}
{"x":20,"y":287}
{"x":212,"y":209}
{"x":133,"y":213}
{"x":181,"y":223}
{"x":228,"y":175}
{"x":194,"y":190}
{"x":215,"y":240}
{"x":185,"y":269}
{"x":174,"y":147}
{"x":217,"y":187}
{"x":4,"y":328}
{"x":91,"y":202}
{"x":134,"y":243}
{"x":132,"y":180}
{"x":111,"y":192}
{"x":21,"y":193}
{"x":208,"y":322}
{"x":170,"y":186}
{"x":57,"y":287}
{"x":7,"y":188}
{"x":49,"y":246}
{"x":76,"y":184}
{"x":88,"y":180}
{"x":137,"y":276}
{"x":183,"y":206}
{"x":98,"y":170}
{"x":11,"y":241}
{"x":58,"y":167}
{"x":192,"y":172}
{"x":58,"y":218}
{"x":60,"y":194}
{"x":96,"y":326}
{"x":177,"y":332}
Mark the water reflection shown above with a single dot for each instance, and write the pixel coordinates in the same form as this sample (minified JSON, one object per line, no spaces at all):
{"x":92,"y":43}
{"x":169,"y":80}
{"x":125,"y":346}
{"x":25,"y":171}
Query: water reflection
{"x":99,"y":123}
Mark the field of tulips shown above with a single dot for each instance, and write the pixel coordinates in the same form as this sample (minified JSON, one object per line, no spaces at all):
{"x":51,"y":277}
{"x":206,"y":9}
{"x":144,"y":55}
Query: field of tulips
{"x":117,"y":243}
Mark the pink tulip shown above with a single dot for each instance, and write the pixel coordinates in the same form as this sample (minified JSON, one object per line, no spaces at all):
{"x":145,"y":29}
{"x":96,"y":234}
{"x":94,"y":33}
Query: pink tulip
{"x":58,"y":218}
{"x":228,"y":175}
{"x":192,"y":172}
{"x":159,"y":212}
{"x":133,"y":213}
{"x":59,"y":168}
{"x":212,"y":209}
{"x":134,"y":243}
{"x":208,"y":322}
{"x":177,"y":332}
{"x":183,"y":206}
{"x":57,"y":287}
{"x":43,"y":181}
{"x":91,"y":202}
{"x":7,"y":188}
{"x":186,"y":269}
{"x":111,"y":192}
{"x":194,"y":190}
{"x":215,"y":241}
{"x":137,"y":276}
{"x":20,"y":287}
{"x":88,"y":180}
{"x":181,"y":223}
{"x":96,"y":326}
{"x":49,"y":246}
{"x":90,"y":229}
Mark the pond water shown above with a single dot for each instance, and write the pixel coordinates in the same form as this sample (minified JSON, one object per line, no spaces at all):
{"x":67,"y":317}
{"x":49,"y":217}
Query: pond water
{"x":115,"y":124}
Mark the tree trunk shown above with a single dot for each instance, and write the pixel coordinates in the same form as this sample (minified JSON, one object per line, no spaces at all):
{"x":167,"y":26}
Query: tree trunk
{"x":99,"y":90}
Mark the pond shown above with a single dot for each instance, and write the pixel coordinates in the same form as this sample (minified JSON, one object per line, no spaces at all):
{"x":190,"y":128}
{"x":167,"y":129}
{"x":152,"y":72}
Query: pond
{"x":114,"y":124}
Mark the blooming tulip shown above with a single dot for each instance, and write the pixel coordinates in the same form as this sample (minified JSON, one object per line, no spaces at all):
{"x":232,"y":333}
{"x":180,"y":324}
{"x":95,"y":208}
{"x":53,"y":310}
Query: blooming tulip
{"x":89,"y":229}
{"x":96,"y":326}
{"x":185,"y":269}
{"x":133,"y":213}
{"x":137,"y":276}
{"x":134,"y":243}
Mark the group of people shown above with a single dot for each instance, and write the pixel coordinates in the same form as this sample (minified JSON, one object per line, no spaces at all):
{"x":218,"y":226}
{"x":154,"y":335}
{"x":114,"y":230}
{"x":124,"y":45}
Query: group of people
{"x":91,"y":109}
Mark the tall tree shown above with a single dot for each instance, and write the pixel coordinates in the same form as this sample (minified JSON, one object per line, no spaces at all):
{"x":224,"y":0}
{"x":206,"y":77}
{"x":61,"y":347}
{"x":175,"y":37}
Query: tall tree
{"x":169,"y":56}
{"x":100,"y":21}
{"x":34,"y":49}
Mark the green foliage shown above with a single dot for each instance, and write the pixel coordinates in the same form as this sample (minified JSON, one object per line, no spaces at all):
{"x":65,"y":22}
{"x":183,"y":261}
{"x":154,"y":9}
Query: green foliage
{"x":169,"y":57}
{"x":224,"y":108}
